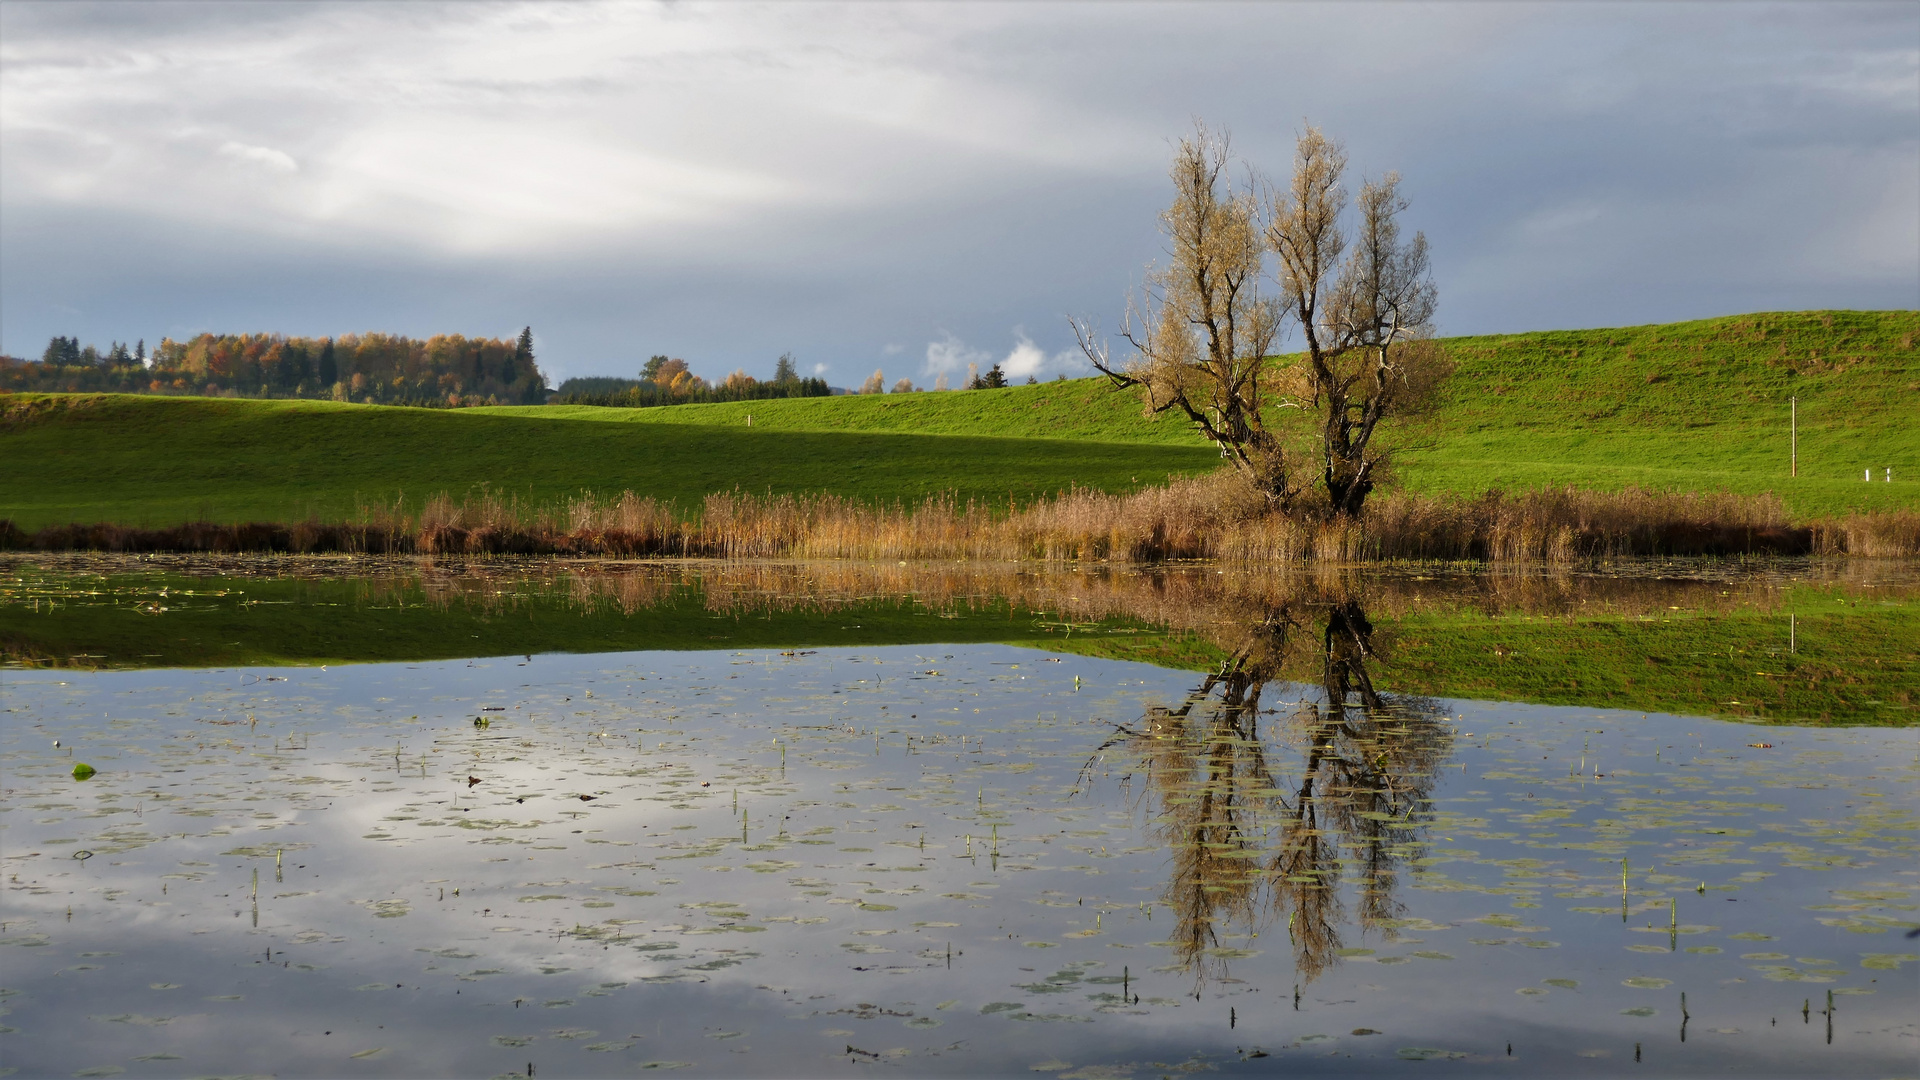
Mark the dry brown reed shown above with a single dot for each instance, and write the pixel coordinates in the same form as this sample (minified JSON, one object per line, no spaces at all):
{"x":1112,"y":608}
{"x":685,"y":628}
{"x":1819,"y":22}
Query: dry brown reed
{"x":1212,"y":518}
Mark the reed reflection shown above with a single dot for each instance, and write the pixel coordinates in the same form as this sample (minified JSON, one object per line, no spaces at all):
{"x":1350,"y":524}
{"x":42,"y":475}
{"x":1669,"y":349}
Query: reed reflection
{"x":1265,"y":822}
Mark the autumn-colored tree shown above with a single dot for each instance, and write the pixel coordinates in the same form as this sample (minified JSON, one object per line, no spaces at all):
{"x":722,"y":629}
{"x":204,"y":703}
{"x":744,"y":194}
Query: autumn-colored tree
{"x":444,"y":369}
{"x":667,"y":371}
{"x":876,"y":383}
{"x":1368,"y":322}
{"x":1202,"y":334}
{"x":1199,"y":329}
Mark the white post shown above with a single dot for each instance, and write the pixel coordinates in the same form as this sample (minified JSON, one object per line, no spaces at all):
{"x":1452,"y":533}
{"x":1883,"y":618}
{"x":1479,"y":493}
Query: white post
{"x":1867,"y":475}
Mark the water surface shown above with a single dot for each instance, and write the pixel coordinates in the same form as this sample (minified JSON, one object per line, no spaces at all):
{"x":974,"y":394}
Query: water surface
{"x":956,"y":857}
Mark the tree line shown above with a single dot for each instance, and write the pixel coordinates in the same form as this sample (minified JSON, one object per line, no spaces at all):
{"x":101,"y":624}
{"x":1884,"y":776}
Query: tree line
{"x":446,"y":370}
{"x":667,"y":381}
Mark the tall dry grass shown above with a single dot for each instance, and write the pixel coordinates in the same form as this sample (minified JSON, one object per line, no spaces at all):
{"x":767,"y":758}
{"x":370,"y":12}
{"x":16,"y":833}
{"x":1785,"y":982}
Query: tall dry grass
{"x":1212,"y":518}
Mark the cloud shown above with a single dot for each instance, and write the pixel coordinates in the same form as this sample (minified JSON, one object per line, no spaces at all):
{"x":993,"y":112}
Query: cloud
{"x":277,"y":160}
{"x":727,"y":181}
{"x":1027,"y":359}
{"x":949,"y":355}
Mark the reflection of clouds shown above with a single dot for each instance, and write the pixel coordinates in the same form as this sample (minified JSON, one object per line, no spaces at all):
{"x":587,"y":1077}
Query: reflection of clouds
{"x":1272,"y":817}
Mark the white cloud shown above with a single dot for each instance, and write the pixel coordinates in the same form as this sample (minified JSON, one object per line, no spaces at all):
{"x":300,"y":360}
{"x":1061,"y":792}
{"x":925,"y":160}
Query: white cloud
{"x":738,"y":179}
{"x":277,"y":160}
{"x":949,"y":355}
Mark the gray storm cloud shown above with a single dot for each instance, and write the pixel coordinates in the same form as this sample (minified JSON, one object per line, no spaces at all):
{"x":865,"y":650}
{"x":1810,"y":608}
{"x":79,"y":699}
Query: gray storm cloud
{"x":728,"y":182}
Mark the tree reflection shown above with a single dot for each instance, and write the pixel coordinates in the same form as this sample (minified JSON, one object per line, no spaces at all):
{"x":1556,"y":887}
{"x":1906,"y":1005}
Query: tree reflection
{"x":1252,"y":846}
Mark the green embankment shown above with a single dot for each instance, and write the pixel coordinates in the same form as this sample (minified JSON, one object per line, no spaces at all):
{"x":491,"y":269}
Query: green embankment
{"x":1086,"y":410}
{"x":1693,"y":406}
{"x":158,"y":461}
{"x":1696,"y":406}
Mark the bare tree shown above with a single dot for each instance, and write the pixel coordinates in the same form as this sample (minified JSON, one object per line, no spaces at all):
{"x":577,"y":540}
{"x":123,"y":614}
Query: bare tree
{"x":1199,"y":329}
{"x":1369,"y":349}
{"x":1202,"y":334}
{"x":876,"y":383}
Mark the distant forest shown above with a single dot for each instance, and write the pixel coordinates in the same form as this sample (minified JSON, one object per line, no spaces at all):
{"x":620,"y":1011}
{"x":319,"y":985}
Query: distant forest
{"x":666,"y":381}
{"x":446,"y":370}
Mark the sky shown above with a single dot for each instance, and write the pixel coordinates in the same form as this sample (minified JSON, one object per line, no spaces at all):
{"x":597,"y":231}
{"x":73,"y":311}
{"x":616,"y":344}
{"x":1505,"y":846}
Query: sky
{"x":913,"y":187}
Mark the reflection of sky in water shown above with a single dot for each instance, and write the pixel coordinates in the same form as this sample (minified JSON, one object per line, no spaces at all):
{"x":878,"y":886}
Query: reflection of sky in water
{"x":424,"y":923}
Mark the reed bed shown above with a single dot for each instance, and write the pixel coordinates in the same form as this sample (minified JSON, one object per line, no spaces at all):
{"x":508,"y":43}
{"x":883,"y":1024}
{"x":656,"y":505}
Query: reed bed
{"x":1211,"y":518}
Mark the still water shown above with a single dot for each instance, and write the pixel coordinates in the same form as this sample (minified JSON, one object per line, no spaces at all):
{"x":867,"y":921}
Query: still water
{"x":928,"y":857}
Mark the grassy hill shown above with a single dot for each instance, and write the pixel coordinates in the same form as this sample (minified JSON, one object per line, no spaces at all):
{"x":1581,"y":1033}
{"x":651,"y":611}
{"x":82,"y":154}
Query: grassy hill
{"x":1695,"y":406}
{"x":159,"y":460}
{"x":1078,"y":409}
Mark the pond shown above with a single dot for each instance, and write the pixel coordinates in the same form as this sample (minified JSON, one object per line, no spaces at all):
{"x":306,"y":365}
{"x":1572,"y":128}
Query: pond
{"x":351,"y":817}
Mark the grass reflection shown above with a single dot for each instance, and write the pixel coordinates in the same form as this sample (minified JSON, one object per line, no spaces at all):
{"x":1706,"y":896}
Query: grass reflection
{"x":1833,"y":642}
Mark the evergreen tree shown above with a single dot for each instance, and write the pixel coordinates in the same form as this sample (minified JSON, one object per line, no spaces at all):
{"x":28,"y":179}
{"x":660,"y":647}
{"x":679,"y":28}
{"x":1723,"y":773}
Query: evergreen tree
{"x":523,"y":351}
{"x":140,"y":352}
{"x":56,"y":352}
{"x":118,"y":356}
{"x":784,"y":371}
{"x":328,"y":370}
{"x":994,"y":379}
{"x":294,"y":364}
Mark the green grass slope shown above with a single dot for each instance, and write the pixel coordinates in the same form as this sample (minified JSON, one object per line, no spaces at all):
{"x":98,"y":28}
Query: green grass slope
{"x":158,"y":460}
{"x":1696,"y":406}
{"x":1080,"y":409}
{"x":1693,"y":406}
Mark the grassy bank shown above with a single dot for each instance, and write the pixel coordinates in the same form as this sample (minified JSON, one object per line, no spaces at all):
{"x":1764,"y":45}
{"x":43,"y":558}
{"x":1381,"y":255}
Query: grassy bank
{"x":1696,"y":406}
{"x":1692,"y":406}
{"x":1216,"y":517}
{"x":159,"y":461}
